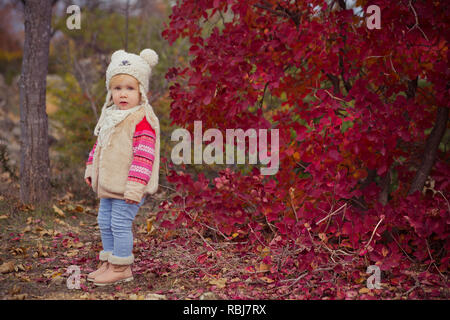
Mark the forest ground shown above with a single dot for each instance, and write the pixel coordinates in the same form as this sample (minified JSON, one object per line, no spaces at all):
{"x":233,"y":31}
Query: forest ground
{"x":39,"y":246}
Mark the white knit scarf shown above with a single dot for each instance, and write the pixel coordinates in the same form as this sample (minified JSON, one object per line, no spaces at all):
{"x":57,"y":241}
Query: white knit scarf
{"x":113,"y":116}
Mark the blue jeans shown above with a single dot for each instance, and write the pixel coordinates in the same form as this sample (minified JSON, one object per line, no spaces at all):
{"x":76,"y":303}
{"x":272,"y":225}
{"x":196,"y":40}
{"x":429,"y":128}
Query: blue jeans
{"x":115,"y":220}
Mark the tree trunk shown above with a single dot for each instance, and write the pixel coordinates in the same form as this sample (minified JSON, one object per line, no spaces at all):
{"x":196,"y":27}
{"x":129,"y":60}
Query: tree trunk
{"x":431,"y":148}
{"x":34,"y":160}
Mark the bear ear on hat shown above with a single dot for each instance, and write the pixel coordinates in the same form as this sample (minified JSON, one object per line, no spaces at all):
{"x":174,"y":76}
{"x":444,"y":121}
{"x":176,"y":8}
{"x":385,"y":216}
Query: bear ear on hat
{"x":150,"y":56}
{"x":116,"y":54}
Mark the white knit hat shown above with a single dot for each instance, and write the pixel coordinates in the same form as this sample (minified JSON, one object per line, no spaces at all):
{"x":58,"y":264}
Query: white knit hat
{"x":140,"y":67}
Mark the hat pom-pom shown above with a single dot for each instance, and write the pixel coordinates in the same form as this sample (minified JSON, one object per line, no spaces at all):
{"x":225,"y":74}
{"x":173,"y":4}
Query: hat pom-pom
{"x":150,"y":56}
{"x":116,"y":54}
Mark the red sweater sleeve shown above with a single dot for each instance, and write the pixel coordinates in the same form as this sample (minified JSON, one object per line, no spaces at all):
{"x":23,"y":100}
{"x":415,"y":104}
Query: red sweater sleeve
{"x":143,"y":153}
{"x":91,"y":154}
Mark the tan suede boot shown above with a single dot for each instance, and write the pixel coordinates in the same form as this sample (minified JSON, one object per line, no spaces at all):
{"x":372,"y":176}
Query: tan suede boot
{"x":104,"y":266}
{"x":103,"y":256}
{"x":114,"y":274}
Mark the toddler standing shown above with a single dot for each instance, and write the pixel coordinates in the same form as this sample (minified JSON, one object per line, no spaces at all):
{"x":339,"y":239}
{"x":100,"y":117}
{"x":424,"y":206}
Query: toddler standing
{"x":123,"y":165}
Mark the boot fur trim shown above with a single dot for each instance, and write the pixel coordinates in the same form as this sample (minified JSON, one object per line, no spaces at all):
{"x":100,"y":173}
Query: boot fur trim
{"x":121,"y":260}
{"x":104,"y":255}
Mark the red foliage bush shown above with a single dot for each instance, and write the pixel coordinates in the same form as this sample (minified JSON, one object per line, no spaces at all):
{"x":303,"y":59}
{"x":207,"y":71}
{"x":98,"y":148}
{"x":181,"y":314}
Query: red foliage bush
{"x":355,"y":109}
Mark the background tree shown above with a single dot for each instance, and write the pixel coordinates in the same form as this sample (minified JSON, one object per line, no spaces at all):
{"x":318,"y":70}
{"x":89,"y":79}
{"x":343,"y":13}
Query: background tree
{"x":34,"y":162}
{"x":10,"y":43}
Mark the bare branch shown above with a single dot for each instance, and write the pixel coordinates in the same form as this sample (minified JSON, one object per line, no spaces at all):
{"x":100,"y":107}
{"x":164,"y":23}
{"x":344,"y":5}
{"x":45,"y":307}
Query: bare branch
{"x":84,"y":86}
{"x":282,"y":12}
{"x":416,"y":25}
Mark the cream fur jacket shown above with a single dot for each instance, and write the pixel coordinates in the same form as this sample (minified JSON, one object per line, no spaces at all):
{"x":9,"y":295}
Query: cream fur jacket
{"x":128,"y":166}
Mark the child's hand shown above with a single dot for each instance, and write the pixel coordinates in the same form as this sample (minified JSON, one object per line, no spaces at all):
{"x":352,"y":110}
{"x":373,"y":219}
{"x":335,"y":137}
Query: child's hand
{"x":131,"y":201}
{"x":88,"y":181}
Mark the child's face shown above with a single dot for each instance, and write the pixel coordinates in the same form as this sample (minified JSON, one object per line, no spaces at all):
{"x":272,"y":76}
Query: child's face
{"x":125,"y":91}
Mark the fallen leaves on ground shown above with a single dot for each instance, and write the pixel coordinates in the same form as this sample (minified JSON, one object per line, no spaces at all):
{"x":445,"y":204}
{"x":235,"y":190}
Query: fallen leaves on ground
{"x":36,"y":256}
{"x":7,"y":267}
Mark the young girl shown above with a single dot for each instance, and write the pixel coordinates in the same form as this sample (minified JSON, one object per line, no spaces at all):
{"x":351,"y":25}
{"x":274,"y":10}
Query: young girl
{"x":123,"y":165}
